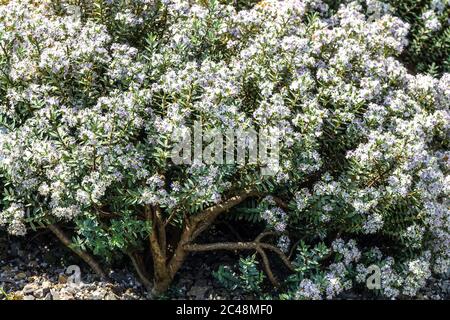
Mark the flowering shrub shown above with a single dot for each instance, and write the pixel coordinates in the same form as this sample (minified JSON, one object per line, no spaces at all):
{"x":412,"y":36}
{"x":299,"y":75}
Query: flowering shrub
{"x":429,"y":35}
{"x":429,"y":50}
{"x":93,"y":98}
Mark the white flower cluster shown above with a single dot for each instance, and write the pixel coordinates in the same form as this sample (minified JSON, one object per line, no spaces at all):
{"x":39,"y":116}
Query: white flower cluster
{"x":431,"y":16}
{"x":349,"y":250}
{"x":407,"y":279}
{"x":276,"y":218}
{"x":431,"y":20}
{"x":308,"y":290}
{"x":14,"y":218}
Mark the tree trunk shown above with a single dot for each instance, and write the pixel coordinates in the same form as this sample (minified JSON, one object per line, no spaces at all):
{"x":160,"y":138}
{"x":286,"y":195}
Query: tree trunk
{"x":165,"y":273}
{"x":165,"y":269}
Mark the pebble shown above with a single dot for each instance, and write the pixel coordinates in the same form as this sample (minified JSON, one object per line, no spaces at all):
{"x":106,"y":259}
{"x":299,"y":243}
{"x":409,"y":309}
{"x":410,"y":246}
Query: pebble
{"x":46,"y":279}
{"x":62,"y":279}
{"x":21,"y":276}
{"x":29,"y":288}
{"x":198,"y":292}
{"x":39,"y":293}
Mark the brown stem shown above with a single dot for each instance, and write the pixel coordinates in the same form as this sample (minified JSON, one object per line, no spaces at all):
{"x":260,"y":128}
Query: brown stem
{"x":139,"y":266}
{"x":275,"y":249}
{"x":178,"y":257}
{"x":170,"y":218}
{"x":280,"y":203}
{"x":196,"y":225}
{"x":161,"y":228}
{"x":291,"y":252}
{"x":382,"y":175}
{"x":280,"y":254}
{"x":203,"y":220}
{"x":221,"y":246}
{"x":237,"y":246}
{"x":193,"y":227}
{"x":158,"y":254}
{"x":105,"y":214}
{"x":254,"y":245}
{"x":265,"y":234}
{"x":59,"y":233}
{"x":267,"y":268}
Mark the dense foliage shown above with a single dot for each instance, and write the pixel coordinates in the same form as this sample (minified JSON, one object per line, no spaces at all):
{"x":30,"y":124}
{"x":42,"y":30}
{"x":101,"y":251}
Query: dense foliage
{"x":91,"y":102}
{"x":428,"y":50}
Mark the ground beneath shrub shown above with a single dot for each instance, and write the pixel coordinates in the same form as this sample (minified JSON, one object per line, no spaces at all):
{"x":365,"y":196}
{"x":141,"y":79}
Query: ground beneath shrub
{"x":35,"y":268}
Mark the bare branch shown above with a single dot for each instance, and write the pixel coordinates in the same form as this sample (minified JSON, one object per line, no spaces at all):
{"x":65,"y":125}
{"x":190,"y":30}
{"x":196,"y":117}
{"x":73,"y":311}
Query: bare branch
{"x":265,"y":234}
{"x":161,"y":229}
{"x":59,"y":233}
{"x":204,"y":219}
{"x":139,"y":266}
{"x":221,"y":246}
{"x":170,"y":218}
{"x":294,"y":246}
{"x":224,"y":206}
{"x":254,"y":245}
{"x":280,"y":203}
{"x":280,"y":254}
{"x":267,"y":269}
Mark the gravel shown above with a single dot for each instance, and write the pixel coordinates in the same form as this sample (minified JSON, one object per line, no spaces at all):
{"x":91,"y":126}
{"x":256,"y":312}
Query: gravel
{"x":37,"y":270}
